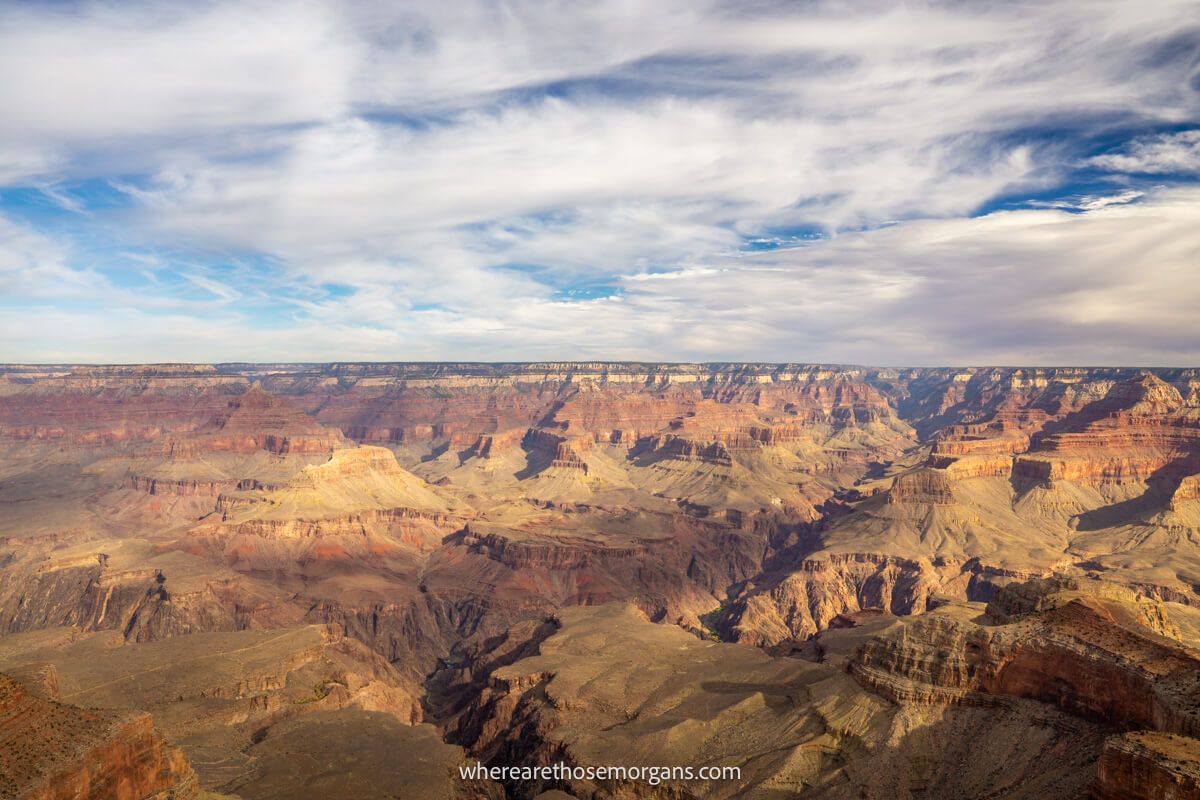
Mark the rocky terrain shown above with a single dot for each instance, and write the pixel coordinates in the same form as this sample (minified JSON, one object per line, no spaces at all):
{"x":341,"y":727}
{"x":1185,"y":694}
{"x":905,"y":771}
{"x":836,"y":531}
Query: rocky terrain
{"x":273,"y":580}
{"x":52,"y":750}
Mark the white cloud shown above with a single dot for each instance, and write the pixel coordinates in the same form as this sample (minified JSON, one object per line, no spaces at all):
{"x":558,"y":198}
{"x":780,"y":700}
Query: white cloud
{"x":1114,"y":285}
{"x":459,"y":166}
{"x":83,"y":74}
{"x":1090,"y":202}
{"x":1172,"y":152}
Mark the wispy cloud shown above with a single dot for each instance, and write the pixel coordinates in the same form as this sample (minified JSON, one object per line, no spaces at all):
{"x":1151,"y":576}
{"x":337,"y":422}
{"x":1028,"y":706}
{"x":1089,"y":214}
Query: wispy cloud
{"x":63,"y":199}
{"x":1172,"y":152}
{"x":33,"y":265}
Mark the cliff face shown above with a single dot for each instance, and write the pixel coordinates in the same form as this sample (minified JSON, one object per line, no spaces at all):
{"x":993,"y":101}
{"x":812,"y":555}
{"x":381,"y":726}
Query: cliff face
{"x":809,"y":598}
{"x":1089,"y":656}
{"x":1099,"y":433}
{"x":96,"y":590}
{"x":51,"y":751}
{"x":921,"y":486}
{"x":1147,"y":765}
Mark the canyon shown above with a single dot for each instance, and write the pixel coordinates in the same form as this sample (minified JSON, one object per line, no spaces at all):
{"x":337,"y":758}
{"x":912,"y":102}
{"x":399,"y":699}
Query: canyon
{"x":353,"y":579}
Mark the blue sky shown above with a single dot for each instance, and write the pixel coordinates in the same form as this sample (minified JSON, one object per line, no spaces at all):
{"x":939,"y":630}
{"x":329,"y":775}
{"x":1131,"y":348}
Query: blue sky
{"x":882,"y":182}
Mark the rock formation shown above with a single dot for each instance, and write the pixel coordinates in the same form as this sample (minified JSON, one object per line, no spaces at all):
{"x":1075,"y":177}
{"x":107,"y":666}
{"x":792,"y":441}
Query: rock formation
{"x":53,"y":751}
{"x":1147,"y":764}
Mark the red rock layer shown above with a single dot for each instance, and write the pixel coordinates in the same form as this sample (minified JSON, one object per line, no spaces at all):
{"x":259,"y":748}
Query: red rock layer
{"x":1106,"y":433}
{"x":737,"y":405}
{"x":175,"y":412}
{"x":258,"y":420}
{"x":50,"y":751}
{"x":1147,"y":765}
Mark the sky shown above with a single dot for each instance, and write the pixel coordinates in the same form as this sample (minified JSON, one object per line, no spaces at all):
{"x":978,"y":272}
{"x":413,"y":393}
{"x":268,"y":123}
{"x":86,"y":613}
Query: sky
{"x":883,"y":183}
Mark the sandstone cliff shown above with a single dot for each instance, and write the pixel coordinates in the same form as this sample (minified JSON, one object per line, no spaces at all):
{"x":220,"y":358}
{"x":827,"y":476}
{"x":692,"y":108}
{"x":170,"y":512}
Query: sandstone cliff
{"x":52,"y":751}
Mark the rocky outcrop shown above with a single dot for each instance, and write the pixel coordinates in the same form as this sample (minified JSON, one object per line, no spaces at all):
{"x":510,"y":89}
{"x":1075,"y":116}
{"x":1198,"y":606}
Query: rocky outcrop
{"x":94,"y":592}
{"x":923,"y":486}
{"x":85,"y":594}
{"x":491,"y":445}
{"x":1140,"y":430}
{"x":967,"y":467}
{"x":1017,"y":600}
{"x":682,"y":449}
{"x":565,"y":457}
{"x":1186,"y":494}
{"x":808,"y":599}
{"x":52,"y":751}
{"x":353,"y":479}
{"x":1090,"y":656}
{"x":1147,"y":765}
{"x":353,"y":464}
{"x":996,"y":438}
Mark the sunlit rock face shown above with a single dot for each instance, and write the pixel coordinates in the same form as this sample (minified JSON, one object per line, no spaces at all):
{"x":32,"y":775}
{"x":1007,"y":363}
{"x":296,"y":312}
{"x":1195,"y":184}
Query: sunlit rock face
{"x":53,"y":751}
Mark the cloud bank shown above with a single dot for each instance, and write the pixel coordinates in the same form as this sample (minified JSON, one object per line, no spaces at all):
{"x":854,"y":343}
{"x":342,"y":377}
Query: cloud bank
{"x":879,"y":183}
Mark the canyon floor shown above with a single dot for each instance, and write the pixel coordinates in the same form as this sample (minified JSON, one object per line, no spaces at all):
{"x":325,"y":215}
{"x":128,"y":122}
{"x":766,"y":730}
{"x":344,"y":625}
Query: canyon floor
{"x":353,"y":580}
